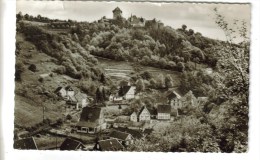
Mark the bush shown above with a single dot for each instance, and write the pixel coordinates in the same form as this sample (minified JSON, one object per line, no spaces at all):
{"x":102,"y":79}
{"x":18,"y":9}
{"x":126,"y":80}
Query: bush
{"x":69,"y":117}
{"x":41,"y":79}
{"x":32,"y":68}
{"x":19,"y":69}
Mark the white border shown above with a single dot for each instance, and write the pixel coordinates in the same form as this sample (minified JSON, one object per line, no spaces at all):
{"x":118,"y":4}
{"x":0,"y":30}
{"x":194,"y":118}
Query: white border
{"x":7,"y":9}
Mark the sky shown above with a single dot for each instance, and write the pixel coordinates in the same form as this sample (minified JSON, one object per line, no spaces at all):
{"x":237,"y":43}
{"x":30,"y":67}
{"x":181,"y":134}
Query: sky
{"x":197,"y":16}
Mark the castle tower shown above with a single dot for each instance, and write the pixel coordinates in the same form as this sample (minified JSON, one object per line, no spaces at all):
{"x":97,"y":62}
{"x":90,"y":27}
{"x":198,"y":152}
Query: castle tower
{"x":117,"y":13}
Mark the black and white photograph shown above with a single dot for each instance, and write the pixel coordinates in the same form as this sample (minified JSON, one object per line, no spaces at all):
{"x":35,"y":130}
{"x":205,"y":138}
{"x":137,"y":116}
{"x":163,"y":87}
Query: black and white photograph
{"x":129,"y":80}
{"x":132,"y":76}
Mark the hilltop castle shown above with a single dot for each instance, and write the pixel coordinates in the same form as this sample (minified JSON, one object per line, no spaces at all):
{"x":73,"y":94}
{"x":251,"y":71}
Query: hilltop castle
{"x":135,"y":21}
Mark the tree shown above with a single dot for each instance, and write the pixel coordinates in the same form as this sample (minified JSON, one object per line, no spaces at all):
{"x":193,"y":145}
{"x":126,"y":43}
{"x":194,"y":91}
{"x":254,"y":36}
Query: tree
{"x":104,"y":96}
{"x":233,"y":83}
{"x":32,"y":68}
{"x":19,"y":69}
{"x":99,"y":96}
{"x":168,"y":81}
{"x":180,"y":66}
{"x":196,"y":60}
{"x":184,"y":27}
{"x":19,"y":16}
{"x":103,"y":78}
{"x":191,"y":32}
{"x":69,"y":117}
{"x":140,"y":85}
{"x":146,"y":75}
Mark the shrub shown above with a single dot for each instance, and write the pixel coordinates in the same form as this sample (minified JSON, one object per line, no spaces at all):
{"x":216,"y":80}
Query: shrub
{"x":32,"y":68}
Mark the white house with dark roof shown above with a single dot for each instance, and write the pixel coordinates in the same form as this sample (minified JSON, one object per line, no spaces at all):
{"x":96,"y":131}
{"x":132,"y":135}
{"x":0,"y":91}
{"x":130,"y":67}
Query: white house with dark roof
{"x":108,"y":145}
{"x":71,"y":144}
{"x":127,"y":92}
{"x":70,"y":91}
{"x":60,"y":91}
{"x":122,"y":137}
{"x":164,"y":112}
{"x":174,"y":99}
{"x":91,"y":120}
{"x":144,"y":114}
{"x":81,"y":99}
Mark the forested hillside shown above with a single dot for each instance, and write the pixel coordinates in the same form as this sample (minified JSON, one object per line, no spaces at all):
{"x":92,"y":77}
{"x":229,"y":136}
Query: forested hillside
{"x":47,"y":58}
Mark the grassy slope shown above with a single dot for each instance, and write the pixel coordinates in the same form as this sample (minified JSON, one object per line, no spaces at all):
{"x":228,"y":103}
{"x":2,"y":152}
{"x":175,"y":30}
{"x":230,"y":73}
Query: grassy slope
{"x":28,"y":101}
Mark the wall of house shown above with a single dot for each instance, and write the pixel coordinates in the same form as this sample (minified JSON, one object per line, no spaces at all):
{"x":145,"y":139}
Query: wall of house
{"x":131,"y":93}
{"x":145,"y":115}
{"x":163,"y":116}
{"x":70,"y":93}
{"x":133,"y":118}
{"x":83,"y":103}
{"x":62,"y":93}
{"x":176,"y":103}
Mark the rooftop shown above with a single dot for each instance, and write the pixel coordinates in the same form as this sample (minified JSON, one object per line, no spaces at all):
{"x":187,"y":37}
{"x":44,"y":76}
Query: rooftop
{"x":119,"y":135}
{"x":70,"y":144}
{"x":110,"y":145}
{"x":27,"y":143}
{"x":164,"y":108}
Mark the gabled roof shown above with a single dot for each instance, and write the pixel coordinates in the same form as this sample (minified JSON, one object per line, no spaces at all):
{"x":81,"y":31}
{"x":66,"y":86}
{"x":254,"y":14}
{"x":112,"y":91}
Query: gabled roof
{"x":134,"y":113}
{"x":117,"y":9}
{"x":134,"y":133}
{"x":164,"y":109}
{"x":89,"y":116}
{"x":142,"y":109}
{"x":173,"y":94}
{"x":123,"y":90}
{"x":188,"y":96}
{"x":58,"y":89}
{"x":27,"y":143}
{"x":119,"y":135}
{"x":110,"y":145}
{"x":80,"y":96}
{"x":70,"y":144}
{"x":72,"y":98}
{"x":68,"y":88}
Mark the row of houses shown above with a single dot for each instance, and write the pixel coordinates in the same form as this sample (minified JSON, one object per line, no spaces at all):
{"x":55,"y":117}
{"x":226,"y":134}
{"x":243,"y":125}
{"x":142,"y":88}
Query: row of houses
{"x":77,"y":100}
{"x":116,"y":140}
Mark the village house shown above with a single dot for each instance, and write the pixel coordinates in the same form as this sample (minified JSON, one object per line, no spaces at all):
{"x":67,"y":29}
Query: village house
{"x":144,"y":115}
{"x":91,"y":120}
{"x":123,"y":137}
{"x":26,"y":144}
{"x":127,"y":92}
{"x":81,"y":99}
{"x":69,"y":91}
{"x":137,"y":134}
{"x":60,"y":91}
{"x":65,"y":92}
{"x":71,"y":144}
{"x":189,"y":100}
{"x":174,"y":99}
{"x":164,"y":112}
{"x":124,"y":93}
{"x":133,"y":117}
{"x":108,"y":145}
